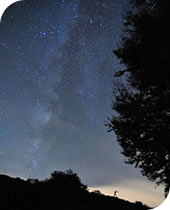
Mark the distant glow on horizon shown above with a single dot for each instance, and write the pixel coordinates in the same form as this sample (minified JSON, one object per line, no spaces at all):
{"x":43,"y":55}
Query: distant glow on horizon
{"x":134,"y":190}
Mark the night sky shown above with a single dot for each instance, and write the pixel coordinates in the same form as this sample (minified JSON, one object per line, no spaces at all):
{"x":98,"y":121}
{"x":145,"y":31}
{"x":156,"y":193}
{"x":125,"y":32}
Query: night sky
{"x":56,"y":70}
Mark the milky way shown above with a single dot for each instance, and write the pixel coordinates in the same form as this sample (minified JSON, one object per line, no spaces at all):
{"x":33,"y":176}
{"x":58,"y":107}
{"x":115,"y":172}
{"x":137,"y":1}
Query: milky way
{"x":56,"y":70}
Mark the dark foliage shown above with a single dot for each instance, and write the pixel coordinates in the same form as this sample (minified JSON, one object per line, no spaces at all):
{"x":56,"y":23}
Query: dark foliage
{"x":63,"y":191}
{"x":142,"y":96}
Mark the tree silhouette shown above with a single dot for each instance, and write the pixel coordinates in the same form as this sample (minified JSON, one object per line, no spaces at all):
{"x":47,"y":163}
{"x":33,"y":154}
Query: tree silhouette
{"x":69,"y":178}
{"x":141,"y":102}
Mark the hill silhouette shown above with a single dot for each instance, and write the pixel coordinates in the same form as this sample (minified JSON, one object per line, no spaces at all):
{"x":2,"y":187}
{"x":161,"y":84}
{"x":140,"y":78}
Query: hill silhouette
{"x":63,"y":191}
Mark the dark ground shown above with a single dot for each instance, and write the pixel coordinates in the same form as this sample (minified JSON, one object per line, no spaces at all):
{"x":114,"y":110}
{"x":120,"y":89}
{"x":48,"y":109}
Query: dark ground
{"x":63,"y":191}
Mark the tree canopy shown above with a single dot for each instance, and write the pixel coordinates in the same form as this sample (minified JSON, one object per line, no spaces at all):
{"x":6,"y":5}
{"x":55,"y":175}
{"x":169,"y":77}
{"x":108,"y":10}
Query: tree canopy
{"x":141,"y":95}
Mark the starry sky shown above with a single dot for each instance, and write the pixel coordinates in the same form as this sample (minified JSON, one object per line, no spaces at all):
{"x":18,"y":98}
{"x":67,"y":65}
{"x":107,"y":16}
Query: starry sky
{"x":56,"y":70}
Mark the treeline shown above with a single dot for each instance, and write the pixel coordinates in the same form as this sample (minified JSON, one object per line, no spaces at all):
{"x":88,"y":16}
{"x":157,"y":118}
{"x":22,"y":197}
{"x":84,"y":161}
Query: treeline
{"x":63,"y":190}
